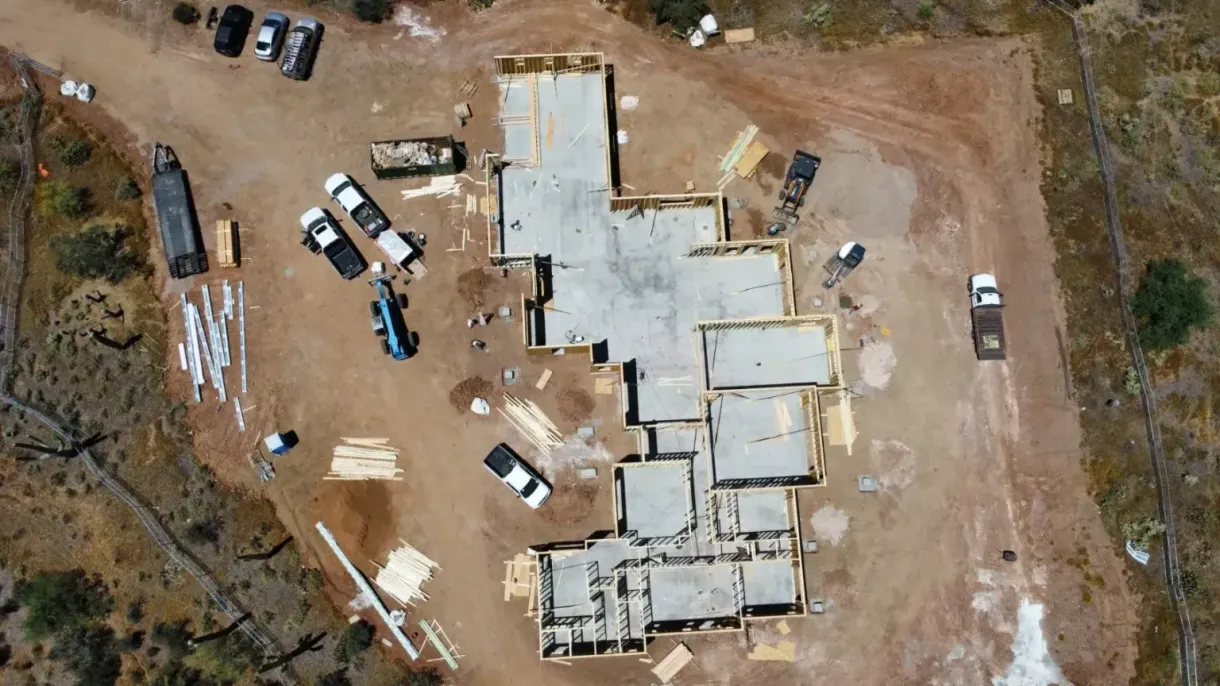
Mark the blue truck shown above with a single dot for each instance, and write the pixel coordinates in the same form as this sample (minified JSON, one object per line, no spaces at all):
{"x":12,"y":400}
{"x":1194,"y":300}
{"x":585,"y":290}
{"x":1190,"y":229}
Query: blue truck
{"x":388,"y":322}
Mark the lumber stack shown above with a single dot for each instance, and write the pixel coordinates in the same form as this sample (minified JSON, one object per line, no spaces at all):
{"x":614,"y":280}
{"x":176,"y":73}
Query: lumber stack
{"x":362,"y":459}
{"x":736,"y":152}
{"x":405,"y":573}
{"x":532,"y":423}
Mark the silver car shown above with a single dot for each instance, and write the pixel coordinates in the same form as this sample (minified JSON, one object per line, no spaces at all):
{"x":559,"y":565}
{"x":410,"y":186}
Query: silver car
{"x":271,"y":37}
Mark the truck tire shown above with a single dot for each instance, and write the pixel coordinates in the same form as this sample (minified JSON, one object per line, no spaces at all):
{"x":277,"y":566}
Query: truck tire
{"x":385,"y":346}
{"x":374,"y":309}
{"x":402,"y":301}
{"x":413,"y":339}
{"x":378,"y":327}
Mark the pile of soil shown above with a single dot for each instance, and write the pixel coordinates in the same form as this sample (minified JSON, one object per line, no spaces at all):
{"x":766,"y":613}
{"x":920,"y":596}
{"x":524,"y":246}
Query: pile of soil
{"x":570,"y":504}
{"x":472,"y":285}
{"x":575,"y":405}
{"x":466,"y":391}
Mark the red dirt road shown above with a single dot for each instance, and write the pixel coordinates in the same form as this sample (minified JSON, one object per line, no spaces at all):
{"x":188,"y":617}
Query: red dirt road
{"x":929,"y":158}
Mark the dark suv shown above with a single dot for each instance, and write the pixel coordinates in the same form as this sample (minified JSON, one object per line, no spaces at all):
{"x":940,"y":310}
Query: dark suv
{"x":232,"y":31}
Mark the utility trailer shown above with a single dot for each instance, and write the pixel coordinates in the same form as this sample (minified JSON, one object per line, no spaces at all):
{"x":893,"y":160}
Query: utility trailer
{"x":986,"y":314}
{"x":410,"y":157}
{"x":402,"y":253}
{"x":176,"y":221}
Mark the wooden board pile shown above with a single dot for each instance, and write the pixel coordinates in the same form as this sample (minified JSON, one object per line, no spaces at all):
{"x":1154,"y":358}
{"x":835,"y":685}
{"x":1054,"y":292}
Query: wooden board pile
{"x":440,"y":186}
{"x":405,"y":574}
{"x":532,"y":423}
{"x":735,"y":154}
{"x":363,"y":459}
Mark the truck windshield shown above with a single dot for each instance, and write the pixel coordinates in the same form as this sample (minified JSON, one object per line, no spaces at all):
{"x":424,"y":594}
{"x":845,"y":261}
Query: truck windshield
{"x":529,"y":488}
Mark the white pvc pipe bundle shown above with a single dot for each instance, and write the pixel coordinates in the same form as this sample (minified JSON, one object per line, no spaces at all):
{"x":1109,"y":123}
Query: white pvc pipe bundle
{"x":405,"y":573}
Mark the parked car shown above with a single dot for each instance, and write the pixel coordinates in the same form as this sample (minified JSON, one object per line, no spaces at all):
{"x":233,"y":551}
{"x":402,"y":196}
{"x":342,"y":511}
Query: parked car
{"x":271,"y":37}
{"x":517,"y":475}
{"x":232,"y":31}
{"x":301,"y":48}
{"x":323,"y":235}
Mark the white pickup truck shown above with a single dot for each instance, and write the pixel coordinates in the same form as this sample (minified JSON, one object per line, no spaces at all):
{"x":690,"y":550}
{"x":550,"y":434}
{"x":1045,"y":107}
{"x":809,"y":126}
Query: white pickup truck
{"x":344,"y":190}
{"x":517,"y":475}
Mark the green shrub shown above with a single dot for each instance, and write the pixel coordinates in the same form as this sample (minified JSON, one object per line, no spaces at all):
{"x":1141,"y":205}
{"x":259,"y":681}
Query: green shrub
{"x":186,"y":13}
{"x":424,"y":677}
{"x":1141,"y":532}
{"x":926,"y":10}
{"x":56,"y":142}
{"x":1131,"y":381}
{"x":58,"y":199}
{"x":682,"y":15}
{"x":203,"y":531}
{"x":90,"y":653}
{"x":57,"y":601}
{"x":10,"y":174}
{"x":335,"y":678}
{"x":76,"y":153}
{"x":127,"y":189}
{"x":172,"y":637}
{"x":478,"y":5}
{"x":372,"y":11}
{"x":95,"y":252}
{"x":357,"y":639}
{"x":1170,"y":303}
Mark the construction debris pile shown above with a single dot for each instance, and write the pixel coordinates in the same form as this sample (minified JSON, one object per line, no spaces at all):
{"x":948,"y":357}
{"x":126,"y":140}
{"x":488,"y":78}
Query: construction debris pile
{"x":440,"y":186}
{"x":393,"y":154}
{"x":532,"y":423}
{"x":405,"y":573}
{"x":363,"y":459}
{"x":208,"y":348}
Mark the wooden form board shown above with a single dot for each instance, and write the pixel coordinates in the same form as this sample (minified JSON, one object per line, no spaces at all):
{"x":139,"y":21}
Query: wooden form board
{"x":749,"y":161}
{"x":671,"y":664}
{"x":225,"y":238}
{"x":518,"y":577}
{"x":739,"y":35}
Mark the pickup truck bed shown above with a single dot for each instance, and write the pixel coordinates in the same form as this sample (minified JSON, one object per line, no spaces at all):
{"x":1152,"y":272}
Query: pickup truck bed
{"x":989,"y":340}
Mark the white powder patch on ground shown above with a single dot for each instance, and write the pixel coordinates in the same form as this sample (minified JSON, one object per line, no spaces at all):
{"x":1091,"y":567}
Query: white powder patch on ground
{"x":894,"y":464}
{"x":985,"y":601}
{"x":1032,"y":664}
{"x":359,"y":603}
{"x":877,"y":364}
{"x":830,"y":524}
{"x":575,"y":453}
{"x":416,"y":23}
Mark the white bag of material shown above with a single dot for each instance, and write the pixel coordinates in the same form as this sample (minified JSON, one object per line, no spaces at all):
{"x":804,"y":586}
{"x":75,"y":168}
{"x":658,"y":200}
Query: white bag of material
{"x":84,"y":92}
{"x":630,"y":102}
{"x":67,"y":88}
{"x":708,"y":24}
{"x":697,"y":39}
{"x":622,"y":137}
{"x":480,"y":406}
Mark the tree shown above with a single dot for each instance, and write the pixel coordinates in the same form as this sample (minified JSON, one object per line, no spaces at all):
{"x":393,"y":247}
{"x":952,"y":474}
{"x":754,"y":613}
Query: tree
{"x":356,"y":640}
{"x":90,"y":653}
{"x":10,"y":173}
{"x":683,"y":15}
{"x":1170,"y":303}
{"x":76,"y":153}
{"x":96,"y":252}
{"x":127,"y":189}
{"x":372,"y":11}
{"x":926,"y":10}
{"x":63,"y":200}
{"x":424,"y":677}
{"x":185,"y":13}
{"x":56,"y":601}
{"x":335,"y":678}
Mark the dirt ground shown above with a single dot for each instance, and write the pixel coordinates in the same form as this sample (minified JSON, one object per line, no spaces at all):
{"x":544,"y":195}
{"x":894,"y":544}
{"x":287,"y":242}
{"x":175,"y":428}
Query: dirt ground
{"x":929,"y":158}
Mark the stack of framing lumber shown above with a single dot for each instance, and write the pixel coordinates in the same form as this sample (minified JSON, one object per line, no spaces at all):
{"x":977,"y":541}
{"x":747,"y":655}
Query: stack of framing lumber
{"x":532,"y":423}
{"x":735,"y":154}
{"x":405,"y":573}
{"x":363,"y":459}
{"x":225,"y":254}
{"x":671,"y":664}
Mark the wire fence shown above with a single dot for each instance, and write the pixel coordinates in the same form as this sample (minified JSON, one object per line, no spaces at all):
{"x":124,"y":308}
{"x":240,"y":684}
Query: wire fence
{"x":1188,"y":654}
{"x":13,"y":256}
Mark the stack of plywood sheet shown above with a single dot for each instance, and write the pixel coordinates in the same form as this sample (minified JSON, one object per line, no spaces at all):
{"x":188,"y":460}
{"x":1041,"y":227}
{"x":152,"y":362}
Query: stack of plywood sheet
{"x":750,"y":160}
{"x":671,"y":664}
{"x":363,"y":459}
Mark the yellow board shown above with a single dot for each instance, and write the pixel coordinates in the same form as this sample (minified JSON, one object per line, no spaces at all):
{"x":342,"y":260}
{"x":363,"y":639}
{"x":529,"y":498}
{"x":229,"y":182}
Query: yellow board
{"x":749,"y":161}
{"x":739,"y":35}
{"x":225,"y":254}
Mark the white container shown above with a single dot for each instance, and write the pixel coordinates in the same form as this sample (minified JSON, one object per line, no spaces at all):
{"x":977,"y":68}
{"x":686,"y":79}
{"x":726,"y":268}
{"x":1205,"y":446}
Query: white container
{"x":622,"y":137}
{"x":697,"y":39}
{"x":84,"y":92}
{"x":709,"y":26}
{"x":67,"y":88}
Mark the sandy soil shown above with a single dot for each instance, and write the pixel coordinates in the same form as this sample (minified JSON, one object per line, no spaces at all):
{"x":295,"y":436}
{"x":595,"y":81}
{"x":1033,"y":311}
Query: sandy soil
{"x":929,"y":159}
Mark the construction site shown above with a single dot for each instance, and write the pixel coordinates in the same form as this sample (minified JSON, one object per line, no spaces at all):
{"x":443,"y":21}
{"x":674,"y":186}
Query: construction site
{"x":721,"y":381}
{"x":634,"y":390}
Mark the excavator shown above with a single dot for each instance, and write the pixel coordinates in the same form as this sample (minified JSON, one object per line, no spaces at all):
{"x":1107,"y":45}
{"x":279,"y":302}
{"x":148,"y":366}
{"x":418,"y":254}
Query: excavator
{"x":792,"y":196}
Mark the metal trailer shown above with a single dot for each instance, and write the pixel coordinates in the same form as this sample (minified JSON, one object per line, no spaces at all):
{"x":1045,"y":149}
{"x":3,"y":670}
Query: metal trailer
{"x":410,"y":157}
{"x":176,"y":219}
{"x":300,"y":51}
